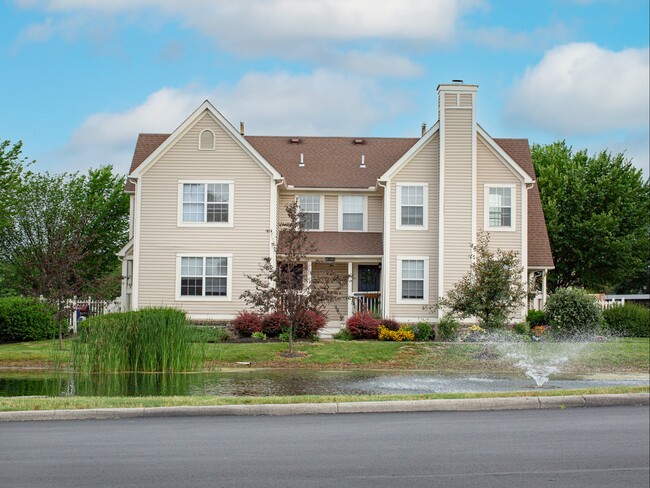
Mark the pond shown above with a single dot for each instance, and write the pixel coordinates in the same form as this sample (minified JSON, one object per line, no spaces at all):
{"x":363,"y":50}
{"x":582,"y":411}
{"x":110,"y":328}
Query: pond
{"x":280,"y":383}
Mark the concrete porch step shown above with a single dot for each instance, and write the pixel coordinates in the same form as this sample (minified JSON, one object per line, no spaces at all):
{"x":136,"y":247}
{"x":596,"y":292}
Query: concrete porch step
{"x":330,"y":329}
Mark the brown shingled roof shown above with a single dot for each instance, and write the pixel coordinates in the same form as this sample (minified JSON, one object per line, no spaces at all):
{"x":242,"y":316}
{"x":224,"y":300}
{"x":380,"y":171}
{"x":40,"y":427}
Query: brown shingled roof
{"x":331,"y":162}
{"x":346,"y":243}
{"x":539,"y":248}
{"x":144,"y":146}
{"x":334,"y":162}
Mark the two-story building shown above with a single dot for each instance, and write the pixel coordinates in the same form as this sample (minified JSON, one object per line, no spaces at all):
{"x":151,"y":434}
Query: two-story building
{"x":397,"y":214}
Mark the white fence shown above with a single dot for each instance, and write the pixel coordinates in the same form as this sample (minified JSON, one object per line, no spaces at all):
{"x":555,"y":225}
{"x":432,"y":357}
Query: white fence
{"x":79,"y":309}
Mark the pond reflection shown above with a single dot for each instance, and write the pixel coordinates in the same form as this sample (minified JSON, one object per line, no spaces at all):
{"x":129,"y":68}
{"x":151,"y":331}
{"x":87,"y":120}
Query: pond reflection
{"x":271,"y":383}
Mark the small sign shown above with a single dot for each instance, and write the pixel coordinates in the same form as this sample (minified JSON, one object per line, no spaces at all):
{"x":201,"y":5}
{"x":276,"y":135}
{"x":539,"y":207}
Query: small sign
{"x":330,"y":260}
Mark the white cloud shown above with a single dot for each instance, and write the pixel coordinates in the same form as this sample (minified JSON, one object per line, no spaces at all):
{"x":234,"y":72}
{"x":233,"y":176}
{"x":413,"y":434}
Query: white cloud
{"x":318,"y":103}
{"x":581,"y":88}
{"x":499,"y":38}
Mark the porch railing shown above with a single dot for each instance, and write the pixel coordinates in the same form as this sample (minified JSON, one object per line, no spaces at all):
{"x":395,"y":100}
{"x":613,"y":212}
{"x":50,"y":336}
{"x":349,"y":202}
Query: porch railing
{"x":366,"y":301}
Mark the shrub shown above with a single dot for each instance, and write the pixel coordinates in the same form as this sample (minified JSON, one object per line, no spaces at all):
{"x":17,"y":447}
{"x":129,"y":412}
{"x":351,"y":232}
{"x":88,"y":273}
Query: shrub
{"x":258,"y":336}
{"x":423,"y":331}
{"x":247,"y":322}
{"x":284,"y":336}
{"x":362,"y":325}
{"x":208,"y":333}
{"x":404,"y":333}
{"x":308,"y":324}
{"x":390,"y":324}
{"x":149,"y":340}
{"x":343,"y":335}
{"x":274,"y":323}
{"x":571,"y":311}
{"x":475,"y":333}
{"x":536,"y":317}
{"x":630,"y":320}
{"x":25,"y":319}
{"x":448,"y":328}
{"x":521,"y":328}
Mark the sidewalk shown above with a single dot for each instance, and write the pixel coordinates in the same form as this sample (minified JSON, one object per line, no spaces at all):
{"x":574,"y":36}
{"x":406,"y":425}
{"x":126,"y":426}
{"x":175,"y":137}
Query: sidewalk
{"x":470,"y":404}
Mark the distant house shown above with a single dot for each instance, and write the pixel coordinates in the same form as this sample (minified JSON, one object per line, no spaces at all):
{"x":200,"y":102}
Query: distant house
{"x":398,"y":214}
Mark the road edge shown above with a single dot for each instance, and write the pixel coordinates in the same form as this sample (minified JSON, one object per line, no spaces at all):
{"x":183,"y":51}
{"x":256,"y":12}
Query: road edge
{"x":397,"y":406}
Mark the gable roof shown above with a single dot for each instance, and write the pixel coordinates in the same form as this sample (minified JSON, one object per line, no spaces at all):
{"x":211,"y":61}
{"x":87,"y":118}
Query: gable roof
{"x":334,"y":162}
{"x":539,"y":247}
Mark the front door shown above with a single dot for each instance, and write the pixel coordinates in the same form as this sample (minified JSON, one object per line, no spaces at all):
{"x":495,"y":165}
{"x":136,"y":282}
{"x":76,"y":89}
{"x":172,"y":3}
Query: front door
{"x":368,"y":277}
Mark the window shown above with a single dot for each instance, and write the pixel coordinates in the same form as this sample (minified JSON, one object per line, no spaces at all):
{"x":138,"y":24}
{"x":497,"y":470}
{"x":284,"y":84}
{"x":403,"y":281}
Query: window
{"x":500,"y":207}
{"x":204,"y":276}
{"x":412,"y":200}
{"x":206,"y":203}
{"x":413,"y":279}
{"x":310,"y":208}
{"x":353,"y":209}
{"x":206,"y":140}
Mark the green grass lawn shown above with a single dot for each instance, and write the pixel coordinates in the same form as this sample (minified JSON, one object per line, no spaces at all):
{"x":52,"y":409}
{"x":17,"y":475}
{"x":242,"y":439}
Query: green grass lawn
{"x":615,"y":355}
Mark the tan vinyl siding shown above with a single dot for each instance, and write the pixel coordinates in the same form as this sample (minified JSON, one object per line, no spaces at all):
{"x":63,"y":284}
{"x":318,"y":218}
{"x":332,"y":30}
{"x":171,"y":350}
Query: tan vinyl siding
{"x":457,"y":195}
{"x":285,"y":199}
{"x":331,"y":223}
{"x":491,"y":170}
{"x":161,"y":239}
{"x":375,"y":213}
{"x":340,"y":307}
{"x":422,"y":168}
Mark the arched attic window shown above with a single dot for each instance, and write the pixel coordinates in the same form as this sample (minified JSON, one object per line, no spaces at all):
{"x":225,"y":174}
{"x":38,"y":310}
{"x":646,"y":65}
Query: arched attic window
{"x":206,"y":140}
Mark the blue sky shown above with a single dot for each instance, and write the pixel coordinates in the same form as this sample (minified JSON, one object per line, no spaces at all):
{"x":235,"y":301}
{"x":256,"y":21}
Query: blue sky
{"x":81,"y":78}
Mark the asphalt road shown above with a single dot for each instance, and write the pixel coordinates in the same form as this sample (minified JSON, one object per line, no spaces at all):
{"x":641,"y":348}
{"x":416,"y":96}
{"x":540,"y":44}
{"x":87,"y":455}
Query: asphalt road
{"x":585,"y":447}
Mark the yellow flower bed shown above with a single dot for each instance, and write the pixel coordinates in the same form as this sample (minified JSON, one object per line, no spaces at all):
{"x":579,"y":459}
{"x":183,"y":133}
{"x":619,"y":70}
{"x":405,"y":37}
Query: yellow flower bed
{"x":404,"y":333}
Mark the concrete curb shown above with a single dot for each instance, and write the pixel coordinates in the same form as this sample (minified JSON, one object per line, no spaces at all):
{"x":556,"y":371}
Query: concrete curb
{"x":469,"y":404}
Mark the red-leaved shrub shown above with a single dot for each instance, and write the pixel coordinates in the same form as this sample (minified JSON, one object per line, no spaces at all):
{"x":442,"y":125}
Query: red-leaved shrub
{"x":274,"y":323}
{"x":390,"y":324}
{"x":308,"y":324}
{"x":247,"y":322}
{"x":362,"y":325}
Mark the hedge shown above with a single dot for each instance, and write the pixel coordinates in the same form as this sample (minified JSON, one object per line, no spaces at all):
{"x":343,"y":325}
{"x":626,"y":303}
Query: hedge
{"x":26,"y":319}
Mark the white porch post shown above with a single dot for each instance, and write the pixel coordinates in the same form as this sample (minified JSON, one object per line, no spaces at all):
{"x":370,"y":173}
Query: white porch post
{"x":544,"y":288}
{"x":309,"y":263}
{"x":349,"y":288}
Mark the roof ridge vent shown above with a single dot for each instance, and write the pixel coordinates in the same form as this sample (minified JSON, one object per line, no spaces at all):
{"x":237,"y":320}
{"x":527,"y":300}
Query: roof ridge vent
{"x":358,"y":141}
{"x":363,"y":161}
{"x":294,"y":140}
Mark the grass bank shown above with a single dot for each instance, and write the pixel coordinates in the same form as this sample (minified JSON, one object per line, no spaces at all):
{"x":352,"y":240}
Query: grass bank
{"x":615,"y":355}
{"x":69,"y":403}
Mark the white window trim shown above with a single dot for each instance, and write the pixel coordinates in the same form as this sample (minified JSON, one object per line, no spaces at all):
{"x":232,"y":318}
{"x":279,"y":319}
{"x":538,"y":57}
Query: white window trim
{"x":214,"y":141}
{"x":425,"y":207}
{"x":231,"y":204}
{"x":365,"y":213}
{"x":184,"y":298}
{"x":321,"y":212}
{"x":399,"y":299}
{"x":513,"y":207}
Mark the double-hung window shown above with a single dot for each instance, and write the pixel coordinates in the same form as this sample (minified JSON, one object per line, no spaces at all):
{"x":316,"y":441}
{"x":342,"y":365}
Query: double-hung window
{"x":412,"y":204}
{"x":500,"y":209}
{"x":413,"y":279}
{"x":206,"y":203}
{"x":353,"y":210}
{"x":311,"y":211}
{"x":204,"y":276}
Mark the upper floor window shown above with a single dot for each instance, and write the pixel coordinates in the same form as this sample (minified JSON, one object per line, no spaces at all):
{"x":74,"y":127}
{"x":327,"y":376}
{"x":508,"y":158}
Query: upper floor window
{"x":206,"y":139}
{"x":206,"y":203}
{"x":412,"y":198}
{"x":204,"y":276}
{"x":353,"y":210}
{"x":500,"y":209}
{"x":311,"y":211}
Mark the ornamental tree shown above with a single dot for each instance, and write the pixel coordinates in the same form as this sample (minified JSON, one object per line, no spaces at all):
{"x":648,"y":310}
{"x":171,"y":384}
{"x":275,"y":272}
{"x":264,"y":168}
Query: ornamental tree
{"x":280,"y":285}
{"x":492,"y":290}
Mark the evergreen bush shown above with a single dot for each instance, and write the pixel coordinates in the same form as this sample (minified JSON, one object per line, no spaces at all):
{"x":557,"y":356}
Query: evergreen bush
{"x":629,"y":320}
{"x":448,"y":328}
{"x":26,"y":319}
{"x":572,"y":311}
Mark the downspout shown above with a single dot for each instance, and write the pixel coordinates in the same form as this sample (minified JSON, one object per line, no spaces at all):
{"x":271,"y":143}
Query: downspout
{"x":385,"y":265}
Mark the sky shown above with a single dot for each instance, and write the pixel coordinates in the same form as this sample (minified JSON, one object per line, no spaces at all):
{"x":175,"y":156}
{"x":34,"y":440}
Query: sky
{"x":81,"y":78}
